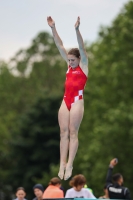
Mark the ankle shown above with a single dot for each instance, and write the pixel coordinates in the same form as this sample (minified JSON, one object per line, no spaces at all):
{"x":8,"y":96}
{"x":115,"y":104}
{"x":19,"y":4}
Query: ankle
{"x":62,"y":165}
{"x":69,"y":165}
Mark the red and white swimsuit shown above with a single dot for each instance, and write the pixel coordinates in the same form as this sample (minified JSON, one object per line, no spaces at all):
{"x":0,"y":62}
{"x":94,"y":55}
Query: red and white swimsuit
{"x":74,"y":85}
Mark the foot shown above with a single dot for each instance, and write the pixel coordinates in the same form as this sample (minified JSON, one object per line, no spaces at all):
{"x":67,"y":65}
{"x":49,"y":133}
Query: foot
{"x":68,"y":172}
{"x":61,"y":171}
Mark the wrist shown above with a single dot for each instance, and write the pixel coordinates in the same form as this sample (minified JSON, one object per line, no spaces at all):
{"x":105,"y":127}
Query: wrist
{"x":111,"y":166}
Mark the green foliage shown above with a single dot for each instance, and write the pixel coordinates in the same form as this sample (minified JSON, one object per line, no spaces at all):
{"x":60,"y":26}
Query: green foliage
{"x":19,"y":91}
{"x":35,"y":143}
{"x":31,"y":100}
{"x":106,"y":131}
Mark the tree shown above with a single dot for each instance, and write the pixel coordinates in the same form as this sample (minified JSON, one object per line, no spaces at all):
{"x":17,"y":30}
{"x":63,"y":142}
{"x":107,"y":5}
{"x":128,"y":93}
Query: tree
{"x":19,"y":87}
{"x":35,"y":143}
{"x":107,"y":128}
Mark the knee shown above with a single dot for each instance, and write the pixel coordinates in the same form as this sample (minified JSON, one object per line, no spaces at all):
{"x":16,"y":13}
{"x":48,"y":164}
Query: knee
{"x":64,"y":133}
{"x":73,"y":133}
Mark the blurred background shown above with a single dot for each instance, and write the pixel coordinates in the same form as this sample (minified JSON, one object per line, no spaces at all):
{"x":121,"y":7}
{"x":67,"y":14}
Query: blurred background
{"x":32,"y":75}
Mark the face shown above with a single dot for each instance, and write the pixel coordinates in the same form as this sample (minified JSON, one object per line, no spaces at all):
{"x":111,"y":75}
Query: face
{"x":73,"y":61}
{"x":121,"y":180}
{"x":20,"y":194}
{"x":79,"y":187}
{"x":38,"y":193}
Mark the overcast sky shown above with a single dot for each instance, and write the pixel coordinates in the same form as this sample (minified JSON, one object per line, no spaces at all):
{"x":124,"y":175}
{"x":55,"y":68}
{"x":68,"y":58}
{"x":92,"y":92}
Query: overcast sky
{"x":22,"y":20}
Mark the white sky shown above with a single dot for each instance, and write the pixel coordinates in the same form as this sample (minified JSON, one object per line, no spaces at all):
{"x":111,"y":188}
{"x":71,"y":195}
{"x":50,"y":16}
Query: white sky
{"x":22,"y":20}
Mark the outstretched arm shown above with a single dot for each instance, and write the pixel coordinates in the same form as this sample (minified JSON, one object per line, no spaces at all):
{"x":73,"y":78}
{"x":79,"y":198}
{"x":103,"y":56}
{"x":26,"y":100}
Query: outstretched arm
{"x":113,"y":162}
{"x":57,"y":39}
{"x":83,"y":54}
{"x":109,"y":176}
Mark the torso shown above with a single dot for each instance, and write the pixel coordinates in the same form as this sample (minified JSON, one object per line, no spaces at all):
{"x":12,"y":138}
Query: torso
{"x":83,"y":193}
{"x":74,"y":85}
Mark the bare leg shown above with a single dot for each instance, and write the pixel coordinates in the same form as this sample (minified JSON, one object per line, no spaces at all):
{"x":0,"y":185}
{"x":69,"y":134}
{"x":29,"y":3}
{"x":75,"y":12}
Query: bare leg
{"x":76,"y":115}
{"x":63,"y":117}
